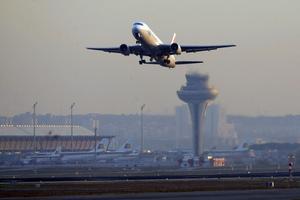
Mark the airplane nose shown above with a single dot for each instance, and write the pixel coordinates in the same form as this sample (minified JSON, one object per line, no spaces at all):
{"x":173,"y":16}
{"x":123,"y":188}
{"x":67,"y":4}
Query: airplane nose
{"x":135,"y":29}
{"x":136,"y":32}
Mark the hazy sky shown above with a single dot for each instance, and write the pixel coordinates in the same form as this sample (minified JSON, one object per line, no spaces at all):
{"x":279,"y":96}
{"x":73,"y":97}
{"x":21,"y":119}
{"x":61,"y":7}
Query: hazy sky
{"x":43,"y":56}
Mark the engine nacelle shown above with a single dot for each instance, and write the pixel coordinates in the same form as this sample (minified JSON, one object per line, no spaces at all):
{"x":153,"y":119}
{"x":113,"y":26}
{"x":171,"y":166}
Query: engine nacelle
{"x":175,"y":48}
{"x":124,"y":49}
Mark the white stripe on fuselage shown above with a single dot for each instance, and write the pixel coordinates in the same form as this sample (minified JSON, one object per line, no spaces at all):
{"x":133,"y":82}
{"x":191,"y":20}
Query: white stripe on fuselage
{"x":149,"y":42}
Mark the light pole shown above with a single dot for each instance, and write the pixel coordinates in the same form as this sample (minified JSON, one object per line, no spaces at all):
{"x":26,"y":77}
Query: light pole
{"x":142,"y":128}
{"x":34,"y":123}
{"x":72,"y":106}
{"x":96,"y":125}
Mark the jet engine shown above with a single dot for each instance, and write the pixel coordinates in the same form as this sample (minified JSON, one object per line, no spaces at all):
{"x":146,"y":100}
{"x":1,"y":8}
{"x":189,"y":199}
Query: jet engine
{"x":175,"y":48}
{"x":124,"y":49}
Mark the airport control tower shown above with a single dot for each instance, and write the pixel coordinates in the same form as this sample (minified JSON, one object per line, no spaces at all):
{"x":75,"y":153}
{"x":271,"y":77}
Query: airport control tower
{"x":197,"y":93}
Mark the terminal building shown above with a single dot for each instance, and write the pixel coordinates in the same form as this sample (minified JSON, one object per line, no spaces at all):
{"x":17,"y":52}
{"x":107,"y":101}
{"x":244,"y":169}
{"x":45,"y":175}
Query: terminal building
{"x":19,"y":138}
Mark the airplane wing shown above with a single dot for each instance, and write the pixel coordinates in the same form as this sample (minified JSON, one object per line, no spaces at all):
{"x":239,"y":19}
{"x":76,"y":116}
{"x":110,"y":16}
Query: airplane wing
{"x":109,"y":50}
{"x":135,"y":49}
{"x":190,"y":48}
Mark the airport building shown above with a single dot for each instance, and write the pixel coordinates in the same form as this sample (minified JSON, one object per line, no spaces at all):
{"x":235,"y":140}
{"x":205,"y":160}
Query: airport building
{"x":19,"y":138}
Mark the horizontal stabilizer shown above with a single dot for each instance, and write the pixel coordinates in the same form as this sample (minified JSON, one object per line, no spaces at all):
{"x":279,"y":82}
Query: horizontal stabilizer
{"x":177,"y":62}
{"x":187,"y":62}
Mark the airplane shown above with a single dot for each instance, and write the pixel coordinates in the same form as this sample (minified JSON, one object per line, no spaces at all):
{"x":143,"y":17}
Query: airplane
{"x":148,"y":44}
{"x":101,"y":153}
{"x":59,"y":156}
{"x":126,"y":150}
{"x":239,"y":152}
{"x":43,"y":157}
{"x":74,"y":156}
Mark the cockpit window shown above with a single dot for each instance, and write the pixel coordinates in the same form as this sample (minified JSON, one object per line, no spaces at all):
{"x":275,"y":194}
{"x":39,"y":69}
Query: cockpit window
{"x":138,"y":24}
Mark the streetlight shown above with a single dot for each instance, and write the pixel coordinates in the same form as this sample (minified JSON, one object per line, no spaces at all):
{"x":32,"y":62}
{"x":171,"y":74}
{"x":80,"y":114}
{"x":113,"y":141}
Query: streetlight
{"x":34,"y":123}
{"x":142,"y":128}
{"x":96,"y":126}
{"x":72,"y":106}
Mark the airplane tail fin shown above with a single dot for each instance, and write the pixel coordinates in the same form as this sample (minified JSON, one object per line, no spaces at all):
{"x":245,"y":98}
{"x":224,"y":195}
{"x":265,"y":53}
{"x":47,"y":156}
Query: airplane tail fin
{"x":57,"y":151}
{"x":126,"y":147}
{"x":242,"y":147}
{"x":101,"y":146}
{"x":173,"y":38}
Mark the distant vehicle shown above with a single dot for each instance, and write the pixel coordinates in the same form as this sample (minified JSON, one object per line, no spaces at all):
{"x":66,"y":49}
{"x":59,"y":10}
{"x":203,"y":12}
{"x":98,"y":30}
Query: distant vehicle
{"x":148,"y":44}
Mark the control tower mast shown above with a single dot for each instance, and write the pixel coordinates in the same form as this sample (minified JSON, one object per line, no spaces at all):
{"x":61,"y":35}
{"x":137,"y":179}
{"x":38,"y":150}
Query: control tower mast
{"x":197,"y":94}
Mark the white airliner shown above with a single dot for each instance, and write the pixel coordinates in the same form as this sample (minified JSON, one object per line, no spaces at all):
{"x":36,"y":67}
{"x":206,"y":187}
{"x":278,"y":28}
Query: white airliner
{"x":125,"y":150}
{"x":44,"y":157}
{"x":100,"y":148}
{"x":102,"y":153}
{"x":59,"y":156}
{"x":148,"y":44}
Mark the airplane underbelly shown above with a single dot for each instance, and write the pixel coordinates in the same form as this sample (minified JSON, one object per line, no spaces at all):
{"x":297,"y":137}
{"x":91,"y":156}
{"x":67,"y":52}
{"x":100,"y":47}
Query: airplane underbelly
{"x":167,"y":61}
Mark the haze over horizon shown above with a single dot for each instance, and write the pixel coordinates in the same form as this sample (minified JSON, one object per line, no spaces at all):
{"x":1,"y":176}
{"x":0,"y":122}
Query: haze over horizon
{"x":43,"y":56}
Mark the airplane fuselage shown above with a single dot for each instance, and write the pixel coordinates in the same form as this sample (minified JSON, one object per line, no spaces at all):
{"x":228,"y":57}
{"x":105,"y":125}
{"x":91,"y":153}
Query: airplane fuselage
{"x":149,"y":45}
{"x":150,"y":42}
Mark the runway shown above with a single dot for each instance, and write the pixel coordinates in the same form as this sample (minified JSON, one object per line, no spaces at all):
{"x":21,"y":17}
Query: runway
{"x":274,"y":194}
{"x":94,"y":183}
{"x":149,"y":187}
{"x":141,"y":176}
